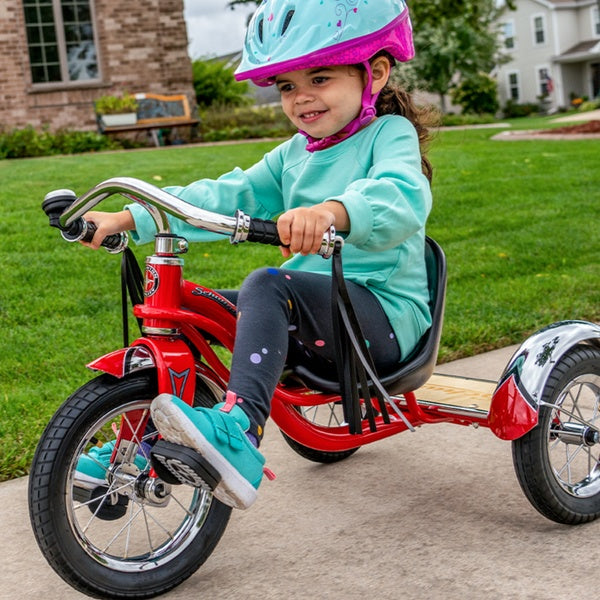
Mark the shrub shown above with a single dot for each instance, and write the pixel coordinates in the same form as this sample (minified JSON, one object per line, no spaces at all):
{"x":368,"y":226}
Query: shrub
{"x":215,"y":84}
{"x":589,"y":105}
{"x":513,"y":109}
{"x":452,"y":120}
{"x":229,"y":123}
{"x":477,"y":94}
{"x":28,"y":142}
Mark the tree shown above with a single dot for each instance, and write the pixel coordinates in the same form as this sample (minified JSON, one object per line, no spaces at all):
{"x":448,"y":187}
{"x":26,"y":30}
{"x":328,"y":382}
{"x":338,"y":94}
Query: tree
{"x":454,"y":40}
{"x":214,"y":83}
{"x":477,"y":94}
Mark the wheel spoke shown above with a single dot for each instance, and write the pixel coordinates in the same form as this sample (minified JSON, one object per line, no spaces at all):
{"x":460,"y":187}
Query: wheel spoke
{"x":146,"y":528}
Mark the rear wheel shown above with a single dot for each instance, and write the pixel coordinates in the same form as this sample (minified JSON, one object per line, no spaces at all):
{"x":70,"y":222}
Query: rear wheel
{"x":558,"y":462}
{"x":324,"y":415}
{"x":112,"y":529}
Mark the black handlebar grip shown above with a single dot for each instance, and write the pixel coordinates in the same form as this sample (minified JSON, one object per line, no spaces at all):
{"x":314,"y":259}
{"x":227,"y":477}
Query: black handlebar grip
{"x":263,"y":232}
{"x":112,"y":242}
{"x":80,"y":230}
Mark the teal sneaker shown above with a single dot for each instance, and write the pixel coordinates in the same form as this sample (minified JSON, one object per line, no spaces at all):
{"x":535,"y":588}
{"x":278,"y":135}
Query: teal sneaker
{"x":218,"y":434}
{"x":92,"y":466}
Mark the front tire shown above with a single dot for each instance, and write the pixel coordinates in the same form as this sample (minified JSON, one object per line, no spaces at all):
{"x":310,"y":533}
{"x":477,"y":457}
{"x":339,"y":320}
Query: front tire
{"x":135,"y":536}
{"x":558,"y":462}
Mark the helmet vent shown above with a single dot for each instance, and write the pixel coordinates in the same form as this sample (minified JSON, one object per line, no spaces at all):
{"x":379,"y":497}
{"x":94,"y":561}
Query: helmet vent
{"x":286,"y":23}
{"x":260,"y":30}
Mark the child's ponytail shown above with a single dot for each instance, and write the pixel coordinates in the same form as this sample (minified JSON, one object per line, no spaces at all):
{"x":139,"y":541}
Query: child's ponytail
{"x":394,"y":100}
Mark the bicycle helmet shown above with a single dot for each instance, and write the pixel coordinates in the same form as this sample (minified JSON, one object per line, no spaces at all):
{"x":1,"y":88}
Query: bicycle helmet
{"x":289,"y":35}
{"x":292,"y":35}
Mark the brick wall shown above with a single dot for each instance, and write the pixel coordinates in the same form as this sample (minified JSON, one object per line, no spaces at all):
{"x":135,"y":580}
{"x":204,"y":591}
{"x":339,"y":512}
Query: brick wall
{"x":142,"y":47}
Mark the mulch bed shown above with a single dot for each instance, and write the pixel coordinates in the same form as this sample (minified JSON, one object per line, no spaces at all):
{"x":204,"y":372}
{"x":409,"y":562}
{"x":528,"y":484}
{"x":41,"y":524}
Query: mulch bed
{"x":589,"y":127}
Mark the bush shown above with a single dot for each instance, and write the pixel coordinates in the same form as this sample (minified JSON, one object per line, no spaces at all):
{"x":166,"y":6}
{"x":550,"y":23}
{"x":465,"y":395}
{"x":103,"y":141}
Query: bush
{"x":589,"y":105}
{"x":452,"y":120}
{"x":215,"y":84}
{"x":28,"y":142}
{"x":514,"y":110}
{"x":229,"y":123}
{"x":477,"y":94}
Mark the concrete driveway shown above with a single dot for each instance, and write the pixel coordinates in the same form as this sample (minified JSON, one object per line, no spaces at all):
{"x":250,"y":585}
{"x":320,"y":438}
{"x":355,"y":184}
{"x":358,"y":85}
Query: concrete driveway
{"x":426,"y":515}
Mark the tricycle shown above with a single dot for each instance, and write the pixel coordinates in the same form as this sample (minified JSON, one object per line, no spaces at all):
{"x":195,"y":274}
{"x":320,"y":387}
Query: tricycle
{"x":114,"y":521}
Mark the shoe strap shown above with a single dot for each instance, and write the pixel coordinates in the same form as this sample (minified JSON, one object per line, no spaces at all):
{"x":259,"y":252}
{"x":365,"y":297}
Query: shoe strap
{"x":227,"y":429}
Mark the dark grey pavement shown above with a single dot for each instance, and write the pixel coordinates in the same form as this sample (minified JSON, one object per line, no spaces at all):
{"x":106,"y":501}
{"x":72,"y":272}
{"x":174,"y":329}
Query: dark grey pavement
{"x":435,"y":514}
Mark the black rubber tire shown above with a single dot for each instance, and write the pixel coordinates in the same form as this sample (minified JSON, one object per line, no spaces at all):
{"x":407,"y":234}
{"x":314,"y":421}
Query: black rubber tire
{"x":536,"y":455}
{"x":319,"y":456}
{"x":51,"y":500}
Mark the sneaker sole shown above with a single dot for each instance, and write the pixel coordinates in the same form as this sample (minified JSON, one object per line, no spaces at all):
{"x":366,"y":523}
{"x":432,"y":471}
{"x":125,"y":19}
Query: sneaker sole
{"x":88,"y":482}
{"x":174,"y":425}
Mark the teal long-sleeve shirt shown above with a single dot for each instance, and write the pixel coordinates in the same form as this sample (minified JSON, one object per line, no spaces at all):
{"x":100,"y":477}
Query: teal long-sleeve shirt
{"x":376,"y":174}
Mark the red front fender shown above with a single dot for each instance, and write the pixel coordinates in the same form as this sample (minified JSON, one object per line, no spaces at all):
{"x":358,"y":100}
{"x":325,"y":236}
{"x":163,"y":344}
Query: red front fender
{"x":171,"y":358}
{"x":511,"y":415}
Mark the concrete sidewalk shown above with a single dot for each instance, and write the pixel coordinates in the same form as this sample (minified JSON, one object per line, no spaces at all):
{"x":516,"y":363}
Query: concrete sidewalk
{"x":427,"y":515}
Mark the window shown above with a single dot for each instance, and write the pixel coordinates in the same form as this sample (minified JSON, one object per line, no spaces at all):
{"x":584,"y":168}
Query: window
{"x":539,"y":30}
{"x":60,"y":39}
{"x":513,"y":86}
{"x":596,"y":20}
{"x":509,"y":35}
{"x":545,"y":84}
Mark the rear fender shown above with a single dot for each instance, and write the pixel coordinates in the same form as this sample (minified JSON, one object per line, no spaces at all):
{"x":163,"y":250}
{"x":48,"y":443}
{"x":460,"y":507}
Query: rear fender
{"x":172,"y":359}
{"x":516,"y":400}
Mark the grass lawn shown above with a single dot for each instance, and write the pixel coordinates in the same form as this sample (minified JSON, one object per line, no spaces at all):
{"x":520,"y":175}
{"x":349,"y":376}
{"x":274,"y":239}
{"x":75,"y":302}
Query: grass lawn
{"x":518,"y":222}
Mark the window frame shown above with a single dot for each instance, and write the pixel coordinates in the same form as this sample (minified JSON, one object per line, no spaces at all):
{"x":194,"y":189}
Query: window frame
{"x":61,"y":42}
{"x":535,"y":30}
{"x":509,"y":23}
{"x":516,"y":86}
{"x":595,"y":21}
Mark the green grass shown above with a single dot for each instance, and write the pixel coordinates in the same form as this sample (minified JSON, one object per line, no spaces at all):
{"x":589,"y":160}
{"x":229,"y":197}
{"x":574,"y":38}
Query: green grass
{"x":518,"y":222}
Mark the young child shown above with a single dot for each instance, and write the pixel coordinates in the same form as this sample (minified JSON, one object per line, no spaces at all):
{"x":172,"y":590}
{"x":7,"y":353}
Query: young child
{"x":356,"y":164}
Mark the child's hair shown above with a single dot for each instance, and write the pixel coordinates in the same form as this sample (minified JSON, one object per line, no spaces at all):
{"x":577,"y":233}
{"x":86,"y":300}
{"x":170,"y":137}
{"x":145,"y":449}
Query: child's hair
{"x":394,"y":100}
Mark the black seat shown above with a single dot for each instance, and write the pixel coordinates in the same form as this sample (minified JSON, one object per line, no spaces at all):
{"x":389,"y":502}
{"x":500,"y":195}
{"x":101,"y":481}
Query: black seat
{"x":413,"y":372}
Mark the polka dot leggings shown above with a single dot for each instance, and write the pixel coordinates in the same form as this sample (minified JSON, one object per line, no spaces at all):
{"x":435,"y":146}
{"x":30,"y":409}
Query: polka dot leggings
{"x":284,"y":317}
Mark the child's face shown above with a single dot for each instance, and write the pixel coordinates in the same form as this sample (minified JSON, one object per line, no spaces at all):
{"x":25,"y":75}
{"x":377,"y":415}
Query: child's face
{"x":321,"y":101}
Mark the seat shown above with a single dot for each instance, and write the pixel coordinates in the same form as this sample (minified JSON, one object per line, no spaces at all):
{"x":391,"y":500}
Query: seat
{"x":418,"y":367}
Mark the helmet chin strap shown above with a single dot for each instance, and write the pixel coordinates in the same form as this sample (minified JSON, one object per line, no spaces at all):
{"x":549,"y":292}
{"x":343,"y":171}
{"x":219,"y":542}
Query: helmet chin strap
{"x":365,"y":116}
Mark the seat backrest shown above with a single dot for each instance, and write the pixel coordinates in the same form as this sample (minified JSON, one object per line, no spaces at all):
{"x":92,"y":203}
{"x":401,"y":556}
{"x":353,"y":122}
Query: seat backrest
{"x":418,"y":367}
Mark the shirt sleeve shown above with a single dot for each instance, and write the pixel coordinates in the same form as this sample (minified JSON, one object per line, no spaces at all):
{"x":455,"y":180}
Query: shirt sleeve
{"x":393,"y":201}
{"x":256,"y":191}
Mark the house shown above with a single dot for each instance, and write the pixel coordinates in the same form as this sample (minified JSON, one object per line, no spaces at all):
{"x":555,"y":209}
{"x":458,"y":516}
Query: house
{"x":554,"y":52}
{"x":58,"y":56}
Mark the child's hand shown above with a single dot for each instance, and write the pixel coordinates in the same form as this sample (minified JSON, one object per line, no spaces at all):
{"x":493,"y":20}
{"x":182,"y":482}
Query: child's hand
{"x":108,"y":224}
{"x":302,"y":229}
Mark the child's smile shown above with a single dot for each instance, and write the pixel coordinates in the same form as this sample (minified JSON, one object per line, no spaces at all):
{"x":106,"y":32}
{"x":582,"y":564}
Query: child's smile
{"x":321,"y":101}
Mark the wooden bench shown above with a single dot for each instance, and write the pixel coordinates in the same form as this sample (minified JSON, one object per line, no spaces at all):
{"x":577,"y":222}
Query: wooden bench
{"x":156,"y":112}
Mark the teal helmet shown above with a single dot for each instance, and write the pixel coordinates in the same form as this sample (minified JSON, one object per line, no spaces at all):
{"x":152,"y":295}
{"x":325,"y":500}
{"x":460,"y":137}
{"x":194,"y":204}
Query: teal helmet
{"x":290,"y":35}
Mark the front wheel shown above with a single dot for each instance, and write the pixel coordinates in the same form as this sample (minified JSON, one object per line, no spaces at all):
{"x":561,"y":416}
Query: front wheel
{"x":105,"y":523}
{"x":558,"y":462}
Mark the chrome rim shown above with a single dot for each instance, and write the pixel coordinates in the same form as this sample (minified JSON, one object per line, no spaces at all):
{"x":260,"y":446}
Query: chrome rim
{"x":149,"y":522}
{"x":574,"y":439}
{"x":328,"y":415}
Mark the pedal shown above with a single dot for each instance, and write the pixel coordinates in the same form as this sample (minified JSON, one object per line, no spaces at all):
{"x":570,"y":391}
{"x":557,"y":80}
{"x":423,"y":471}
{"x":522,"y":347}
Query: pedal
{"x":176,"y":464}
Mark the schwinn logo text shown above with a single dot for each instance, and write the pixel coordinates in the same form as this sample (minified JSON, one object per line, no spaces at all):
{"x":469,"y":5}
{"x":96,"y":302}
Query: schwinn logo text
{"x":151,"y":282}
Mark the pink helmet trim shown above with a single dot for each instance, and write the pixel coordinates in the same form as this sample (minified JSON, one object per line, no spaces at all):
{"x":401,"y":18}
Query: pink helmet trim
{"x":395,"y":37}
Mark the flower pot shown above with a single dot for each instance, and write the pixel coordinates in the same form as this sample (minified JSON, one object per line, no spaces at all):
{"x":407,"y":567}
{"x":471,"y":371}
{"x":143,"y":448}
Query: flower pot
{"x":119,"y":120}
